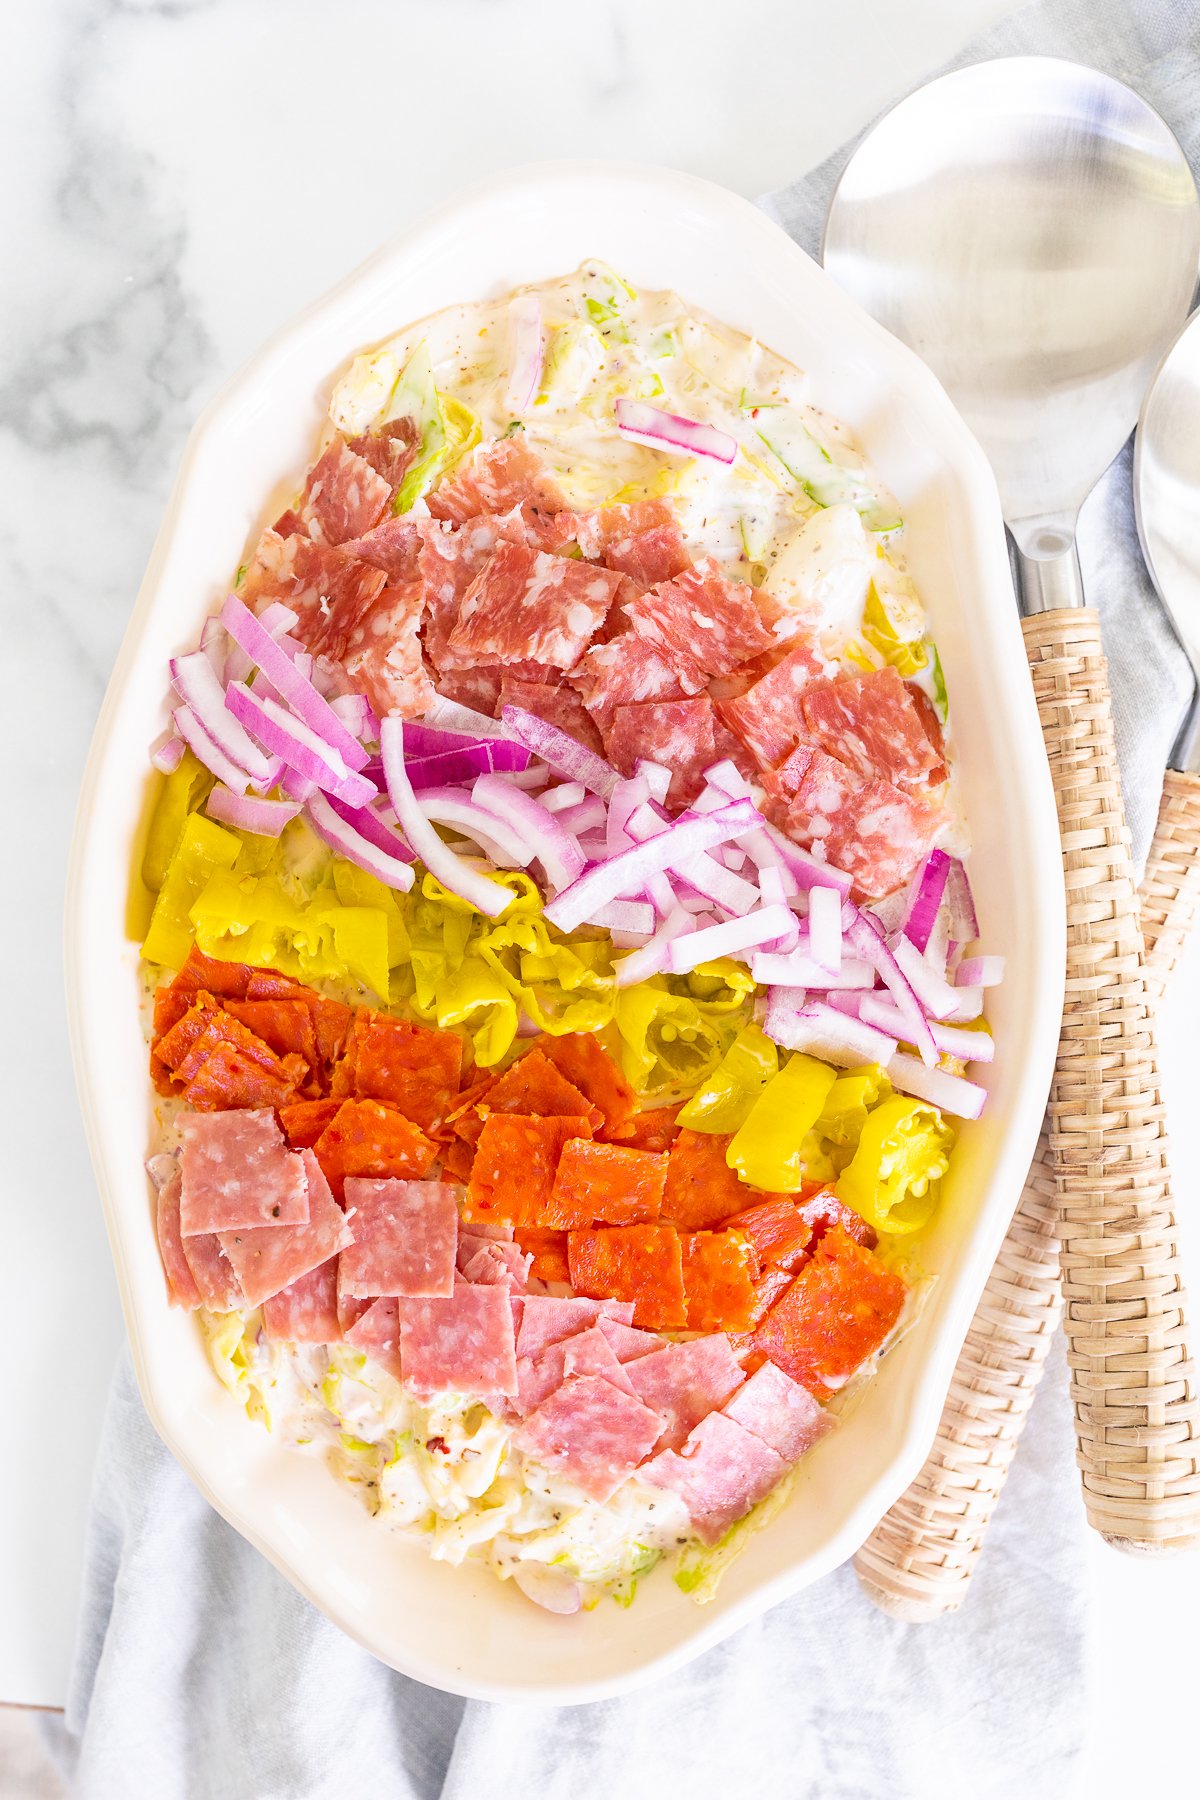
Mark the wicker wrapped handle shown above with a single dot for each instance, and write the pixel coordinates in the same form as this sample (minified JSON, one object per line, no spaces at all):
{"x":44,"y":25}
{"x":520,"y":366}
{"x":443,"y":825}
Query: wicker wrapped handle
{"x":918,"y":1562}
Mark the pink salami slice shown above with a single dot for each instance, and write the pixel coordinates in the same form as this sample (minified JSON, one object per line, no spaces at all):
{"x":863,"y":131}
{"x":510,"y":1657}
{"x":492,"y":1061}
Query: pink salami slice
{"x":494,"y":1264}
{"x":405,"y":1236}
{"x":768,"y":718}
{"x":376,"y":1332}
{"x":676,"y":733}
{"x":306,"y":1310}
{"x":685,"y":1382}
{"x":587,"y":1352}
{"x":343,"y":497}
{"x":501,"y":474}
{"x":266,"y":1258}
{"x":546,"y":1319}
{"x":382,"y":654}
{"x":391,"y":451}
{"x":394,"y":546}
{"x":875,"y":832}
{"x":326,"y":589}
{"x":705,"y":616}
{"x":212,"y":1273}
{"x":871,"y":723}
{"x":526,"y":605}
{"x":780,"y":1412}
{"x":629,"y":671}
{"x":181,"y":1283}
{"x":590,"y":1431}
{"x":551,"y":701}
{"x":629,"y":1341}
{"x":644,"y":542}
{"x":238,"y":1171}
{"x":722,"y":1471}
{"x":464,"y":1343}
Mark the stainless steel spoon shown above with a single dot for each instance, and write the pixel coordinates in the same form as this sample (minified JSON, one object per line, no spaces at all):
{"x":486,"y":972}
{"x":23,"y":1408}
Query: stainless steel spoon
{"x":1032,"y":229}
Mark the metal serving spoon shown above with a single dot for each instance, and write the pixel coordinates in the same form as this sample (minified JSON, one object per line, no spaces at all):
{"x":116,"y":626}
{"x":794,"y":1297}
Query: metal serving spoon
{"x":1031,"y":228}
{"x":1166,"y":486}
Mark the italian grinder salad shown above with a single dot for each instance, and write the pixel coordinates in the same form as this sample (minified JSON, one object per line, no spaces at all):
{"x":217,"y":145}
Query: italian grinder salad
{"x":562,"y":962}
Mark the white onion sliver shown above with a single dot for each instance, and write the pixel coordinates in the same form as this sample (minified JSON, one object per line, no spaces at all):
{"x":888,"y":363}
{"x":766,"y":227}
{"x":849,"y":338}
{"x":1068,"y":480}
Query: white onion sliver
{"x":263,"y":818}
{"x":758,"y":927}
{"x":341,"y":836}
{"x":629,"y":797}
{"x":979,"y":971}
{"x":589,"y":815}
{"x":209,"y":753}
{"x":489,"y":896}
{"x":863,"y":933}
{"x":566,"y":794}
{"x":825,"y":928}
{"x":949,"y":1093}
{"x":632,"y":917}
{"x":651,"y":959}
{"x":196,"y":684}
{"x":670,"y":431}
{"x":276,"y":618}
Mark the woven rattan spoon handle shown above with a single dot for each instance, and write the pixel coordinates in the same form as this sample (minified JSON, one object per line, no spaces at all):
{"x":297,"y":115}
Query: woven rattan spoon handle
{"x":918,"y":1562}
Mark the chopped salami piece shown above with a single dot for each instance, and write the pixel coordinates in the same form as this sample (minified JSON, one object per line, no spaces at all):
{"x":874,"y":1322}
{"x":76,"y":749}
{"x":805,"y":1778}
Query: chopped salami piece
{"x":535,"y":1086}
{"x":343,"y":496}
{"x":327,"y":590}
{"x":376,"y":1332}
{"x":181,"y":1283}
{"x":188,"y":1045}
{"x":212,"y":1273}
{"x":780,"y":1412}
{"x":477,"y":688}
{"x":306,"y":1310}
{"x":676,"y":733}
{"x":874,"y":832}
{"x":720,"y":1269}
{"x":627,"y":1340}
{"x":528,"y":606}
{"x":497,"y":476}
{"x":553,"y":702}
{"x":285,"y":1026}
{"x":464,"y":1343}
{"x":582,"y":1058}
{"x":654,"y":1129}
{"x":266,"y":1258}
{"x":497,"y":1264}
{"x":591,"y":1432}
{"x":630,"y":671}
{"x":768,"y":718}
{"x":932,"y":727}
{"x":820,"y":1208}
{"x":834,"y":1315}
{"x":640,"y":1263}
{"x":238,"y":1171}
{"x":515,"y":1163}
{"x":382,"y":652}
{"x":703,"y":615}
{"x":643,"y":541}
{"x":350,"y":1311}
{"x":405,"y":1235}
{"x":777,"y":1228}
{"x":391,"y":450}
{"x":702,"y":1189}
{"x":685,"y":1382}
{"x":231,"y":1078}
{"x":394,"y":547}
{"x":870,"y":723}
{"x":305,"y":1120}
{"x":448,"y":563}
{"x":606,"y":1182}
{"x":547,"y":1251}
{"x":415,"y":1068}
{"x":367,"y":1138}
{"x":227,"y":980}
{"x":586,"y":1352}
{"x":722,"y":1471}
{"x":545,"y":1319}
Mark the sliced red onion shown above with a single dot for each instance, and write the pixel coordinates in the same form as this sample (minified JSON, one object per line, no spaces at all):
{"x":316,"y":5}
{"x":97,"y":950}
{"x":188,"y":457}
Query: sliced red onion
{"x":277,"y":618}
{"x":215,"y":645}
{"x":657,"y":779}
{"x":669,"y":431}
{"x":686,"y":896}
{"x":703,"y":873}
{"x":968,"y":1005}
{"x":208,"y":752}
{"x":455,"y":874}
{"x":197,"y":686}
{"x":800,"y":968}
{"x":729,"y":938}
{"x":708,"y":800}
{"x":774,"y":891}
{"x":971,"y":1046}
{"x":423,"y":739}
{"x":450,"y":806}
{"x":862,"y":931}
{"x":296,"y":786}
{"x":821,"y":1030}
{"x":329,"y":824}
{"x":628,"y":873}
{"x":567,"y":794}
{"x":264,"y":818}
{"x":275,"y":771}
{"x":533,"y":779}
{"x":564,"y":753}
{"x":354,"y":710}
{"x":300,"y":747}
{"x":762,"y":853}
{"x":825,"y":928}
{"x":979,"y":971}
{"x":662,"y":896}
{"x":451,"y":715}
{"x":551,"y":1589}
{"x":629,"y":917}
{"x":528,"y":346}
{"x":728,"y":778}
{"x":949,"y":1093}
{"x":368,"y":824}
{"x":166,"y":752}
{"x":734,"y":858}
{"x":928,"y":889}
{"x":934,"y":992}
{"x":454,"y":766}
{"x":546,"y":838}
{"x":964,"y":922}
{"x":809,"y":873}
{"x":593,"y":845}
{"x":630,"y":795}
{"x":293,"y":686}
{"x":652,"y":957}
{"x":589,"y":815}
{"x":937,"y":950}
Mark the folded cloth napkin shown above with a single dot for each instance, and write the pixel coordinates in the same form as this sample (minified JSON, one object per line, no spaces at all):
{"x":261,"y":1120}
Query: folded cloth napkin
{"x":201,"y":1673}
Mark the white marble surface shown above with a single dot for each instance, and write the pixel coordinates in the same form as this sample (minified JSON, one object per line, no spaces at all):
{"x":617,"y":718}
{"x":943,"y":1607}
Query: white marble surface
{"x":182,"y":175}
